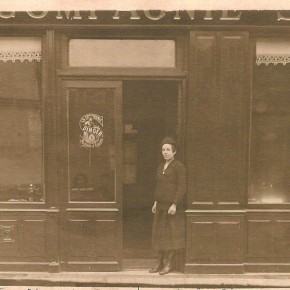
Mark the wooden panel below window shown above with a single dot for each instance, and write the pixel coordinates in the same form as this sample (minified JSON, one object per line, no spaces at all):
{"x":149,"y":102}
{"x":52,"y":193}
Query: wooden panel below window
{"x":260,"y":238}
{"x":23,"y":241}
{"x":268,"y":237}
{"x":282,"y":241}
{"x":268,"y":241}
{"x":9,"y":241}
{"x":33,"y":238}
{"x":229,"y":233}
{"x":23,"y":237}
{"x":89,"y":241}
{"x":105,"y":239}
{"x":80,"y":239}
{"x":199,"y":232}
{"x":214,"y":239}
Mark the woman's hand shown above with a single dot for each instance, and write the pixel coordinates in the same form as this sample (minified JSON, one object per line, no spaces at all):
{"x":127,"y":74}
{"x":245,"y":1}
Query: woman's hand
{"x":154,"y":207}
{"x":172,"y":209}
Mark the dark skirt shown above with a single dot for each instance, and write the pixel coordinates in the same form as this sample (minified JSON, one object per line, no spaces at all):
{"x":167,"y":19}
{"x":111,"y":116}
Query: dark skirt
{"x":168,"y":231}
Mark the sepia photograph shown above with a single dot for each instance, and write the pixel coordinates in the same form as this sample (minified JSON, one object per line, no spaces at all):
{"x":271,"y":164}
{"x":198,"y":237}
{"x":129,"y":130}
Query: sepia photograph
{"x":144,"y":147}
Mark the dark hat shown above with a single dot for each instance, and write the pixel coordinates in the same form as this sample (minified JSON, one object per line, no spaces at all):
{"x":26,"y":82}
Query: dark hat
{"x":168,"y":140}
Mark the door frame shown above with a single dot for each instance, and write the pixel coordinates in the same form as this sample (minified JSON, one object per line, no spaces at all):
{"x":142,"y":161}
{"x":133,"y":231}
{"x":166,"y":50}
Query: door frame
{"x":94,"y":216}
{"x":72,"y":75}
{"x":144,"y":263}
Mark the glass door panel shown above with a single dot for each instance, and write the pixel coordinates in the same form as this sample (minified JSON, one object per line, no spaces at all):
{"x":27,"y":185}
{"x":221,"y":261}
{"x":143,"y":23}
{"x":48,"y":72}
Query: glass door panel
{"x":93,"y":138}
{"x":91,"y":143}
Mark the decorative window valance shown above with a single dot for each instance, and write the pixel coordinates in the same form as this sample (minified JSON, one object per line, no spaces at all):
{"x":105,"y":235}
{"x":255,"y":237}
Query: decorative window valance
{"x":272,"y":51}
{"x":20,"y":48}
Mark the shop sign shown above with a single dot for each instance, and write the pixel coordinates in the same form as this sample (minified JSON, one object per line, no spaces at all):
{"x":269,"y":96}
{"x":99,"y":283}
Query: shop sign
{"x":153,"y":16}
{"x":91,"y":126}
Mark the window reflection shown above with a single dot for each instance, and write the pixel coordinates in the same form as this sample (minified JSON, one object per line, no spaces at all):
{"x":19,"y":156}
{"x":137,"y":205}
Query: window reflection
{"x":21,"y":146}
{"x":85,"y":190}
{"x":270,"y":135}
{"x":30,"y":192}
{"x":21,"y":161}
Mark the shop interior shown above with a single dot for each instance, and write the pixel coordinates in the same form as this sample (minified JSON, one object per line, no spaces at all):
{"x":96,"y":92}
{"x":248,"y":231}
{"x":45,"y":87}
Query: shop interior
{"x":149,"y":114}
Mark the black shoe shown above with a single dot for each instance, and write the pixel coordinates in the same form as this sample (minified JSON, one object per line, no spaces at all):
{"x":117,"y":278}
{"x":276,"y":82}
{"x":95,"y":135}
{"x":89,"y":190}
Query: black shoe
{"x":156,"y":268}
{"x":168,"y":266}
{"x":167,"y":269}
{"x":159,"y":263}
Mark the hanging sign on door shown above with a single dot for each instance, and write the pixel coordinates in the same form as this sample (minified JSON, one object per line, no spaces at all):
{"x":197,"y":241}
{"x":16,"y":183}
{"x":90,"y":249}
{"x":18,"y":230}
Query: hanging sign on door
{"x":92,"y":130}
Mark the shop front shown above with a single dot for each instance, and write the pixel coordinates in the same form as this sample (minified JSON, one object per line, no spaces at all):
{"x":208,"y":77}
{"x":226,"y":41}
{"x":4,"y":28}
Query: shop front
{"x":86,"y":98}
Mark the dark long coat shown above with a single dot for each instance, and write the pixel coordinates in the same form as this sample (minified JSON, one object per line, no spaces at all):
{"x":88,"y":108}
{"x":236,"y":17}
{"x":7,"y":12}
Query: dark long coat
{"x":168,"y":231}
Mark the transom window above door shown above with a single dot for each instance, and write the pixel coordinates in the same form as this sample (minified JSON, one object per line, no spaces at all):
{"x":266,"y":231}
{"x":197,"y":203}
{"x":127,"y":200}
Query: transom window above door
{"x":122,"y":53}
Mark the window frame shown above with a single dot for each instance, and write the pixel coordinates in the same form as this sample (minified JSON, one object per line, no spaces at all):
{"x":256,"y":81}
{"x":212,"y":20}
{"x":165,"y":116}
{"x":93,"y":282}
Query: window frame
{"x":46,"y":105}
{"x":253,"y":38}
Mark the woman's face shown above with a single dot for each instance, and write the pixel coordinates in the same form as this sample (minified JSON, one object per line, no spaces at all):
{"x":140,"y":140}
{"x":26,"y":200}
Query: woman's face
{"x":167,"y":152}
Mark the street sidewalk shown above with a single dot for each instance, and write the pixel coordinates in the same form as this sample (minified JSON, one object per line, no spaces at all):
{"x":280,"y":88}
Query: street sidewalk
{"x":144,"y":279}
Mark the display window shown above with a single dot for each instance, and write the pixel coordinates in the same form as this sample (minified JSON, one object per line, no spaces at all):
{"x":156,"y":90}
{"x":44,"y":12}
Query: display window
{"x":21,"y":116}
{"x":270,"y":124}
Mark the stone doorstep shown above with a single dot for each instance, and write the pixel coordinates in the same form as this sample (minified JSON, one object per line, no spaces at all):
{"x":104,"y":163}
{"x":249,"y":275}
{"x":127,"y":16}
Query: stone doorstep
{"x":143,"y":279}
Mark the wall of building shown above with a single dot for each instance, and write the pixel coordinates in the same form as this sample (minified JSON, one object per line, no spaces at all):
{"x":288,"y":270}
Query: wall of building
{"x":225,"y":232}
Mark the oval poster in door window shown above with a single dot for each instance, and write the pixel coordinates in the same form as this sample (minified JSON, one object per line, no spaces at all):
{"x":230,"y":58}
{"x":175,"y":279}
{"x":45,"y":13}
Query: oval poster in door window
{"x":92,"y":130}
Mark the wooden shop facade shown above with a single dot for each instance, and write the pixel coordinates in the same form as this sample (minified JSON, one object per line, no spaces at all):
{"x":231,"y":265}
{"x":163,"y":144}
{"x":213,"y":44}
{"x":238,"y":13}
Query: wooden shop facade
{"x":86,"y":98}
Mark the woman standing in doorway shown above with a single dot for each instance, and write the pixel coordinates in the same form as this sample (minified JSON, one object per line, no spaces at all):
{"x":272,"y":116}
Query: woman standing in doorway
{"x":168,"y":233}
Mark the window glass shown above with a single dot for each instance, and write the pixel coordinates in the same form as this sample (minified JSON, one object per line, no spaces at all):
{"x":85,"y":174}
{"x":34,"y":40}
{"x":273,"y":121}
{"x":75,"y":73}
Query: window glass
{"x":91,"y":145}
{"x":21,"y":174}
{"x":20,"y":80}
{"x":270,"y":131}
{"x":21,"y":136}
{"x":121,"y":53}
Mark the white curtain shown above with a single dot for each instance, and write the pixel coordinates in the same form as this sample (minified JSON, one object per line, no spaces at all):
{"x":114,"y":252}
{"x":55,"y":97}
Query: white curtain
{"x":20,"y":49}
{"x":272,"y":51}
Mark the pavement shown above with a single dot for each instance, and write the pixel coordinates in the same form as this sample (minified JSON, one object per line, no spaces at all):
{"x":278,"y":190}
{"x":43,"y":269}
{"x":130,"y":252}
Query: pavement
{"x":142,"y":278}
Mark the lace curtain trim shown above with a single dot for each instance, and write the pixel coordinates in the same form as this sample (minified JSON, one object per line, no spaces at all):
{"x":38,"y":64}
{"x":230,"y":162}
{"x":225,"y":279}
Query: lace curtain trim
{"x":20,"y":55}
{"x":272,"y":59}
